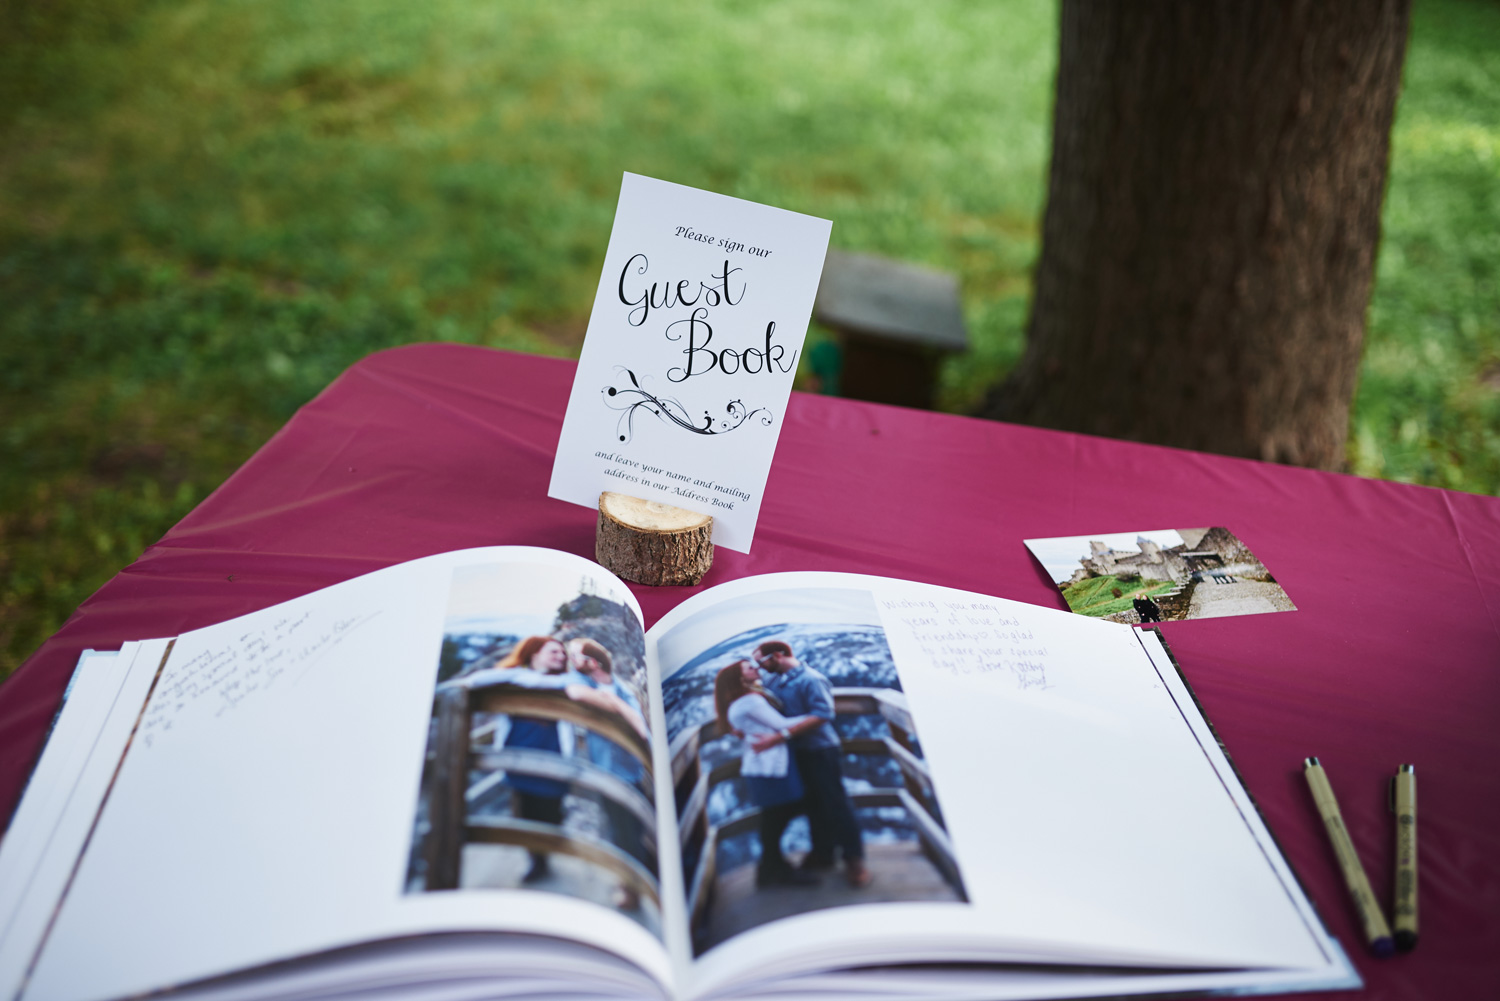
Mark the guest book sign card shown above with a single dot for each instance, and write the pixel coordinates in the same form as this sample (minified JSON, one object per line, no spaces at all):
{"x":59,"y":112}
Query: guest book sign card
{"x":691,"y":350}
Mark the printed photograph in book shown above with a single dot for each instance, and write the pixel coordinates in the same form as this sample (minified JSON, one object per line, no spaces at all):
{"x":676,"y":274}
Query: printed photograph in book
{"x":799,"y":778}
{"x":1160,"y":576}
{"x":538,"y":768}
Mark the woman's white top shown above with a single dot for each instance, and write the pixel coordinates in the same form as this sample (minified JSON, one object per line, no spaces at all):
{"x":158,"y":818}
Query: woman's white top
{"x":753,"y":716}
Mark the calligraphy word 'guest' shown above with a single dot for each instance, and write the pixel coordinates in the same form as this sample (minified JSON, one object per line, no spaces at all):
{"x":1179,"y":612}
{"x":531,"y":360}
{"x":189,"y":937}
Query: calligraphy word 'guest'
{"x":665,"y":295}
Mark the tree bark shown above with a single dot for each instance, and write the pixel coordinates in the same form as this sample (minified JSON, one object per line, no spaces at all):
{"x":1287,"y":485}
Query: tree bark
{"x":652,"y":543}
{"x":1212,"y":218}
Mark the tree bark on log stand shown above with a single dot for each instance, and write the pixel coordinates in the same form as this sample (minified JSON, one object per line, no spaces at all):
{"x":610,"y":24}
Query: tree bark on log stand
{"x":652,"y":543}
{"x":1212,"y":219}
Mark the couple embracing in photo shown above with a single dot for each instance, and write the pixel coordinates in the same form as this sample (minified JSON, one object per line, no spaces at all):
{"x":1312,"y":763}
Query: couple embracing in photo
{"x":583,"y":670}
{"x":791,"y":763}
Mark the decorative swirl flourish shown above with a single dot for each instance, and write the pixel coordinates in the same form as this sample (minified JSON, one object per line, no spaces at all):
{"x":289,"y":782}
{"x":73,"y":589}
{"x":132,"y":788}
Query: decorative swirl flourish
{"x":628,"y":400}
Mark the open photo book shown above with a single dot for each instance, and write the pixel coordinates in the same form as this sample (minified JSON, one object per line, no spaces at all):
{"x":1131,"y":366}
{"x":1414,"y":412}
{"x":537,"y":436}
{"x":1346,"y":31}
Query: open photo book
{"x":476,"y":775}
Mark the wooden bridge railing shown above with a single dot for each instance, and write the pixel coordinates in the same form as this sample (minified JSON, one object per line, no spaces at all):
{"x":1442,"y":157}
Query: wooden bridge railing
{"x":693,"y":785}
{"x":454,"y":755}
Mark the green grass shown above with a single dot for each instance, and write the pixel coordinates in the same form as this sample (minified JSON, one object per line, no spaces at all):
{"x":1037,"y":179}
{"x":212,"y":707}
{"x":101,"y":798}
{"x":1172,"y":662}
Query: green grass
{"x":1095,"y":596}
{"x":209,"y":209}
{"x":1428,"y":405}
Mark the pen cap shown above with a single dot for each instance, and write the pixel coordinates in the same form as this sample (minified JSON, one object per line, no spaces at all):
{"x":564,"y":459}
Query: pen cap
{"x":1322,"y":791}
{"x":1403,"y":785}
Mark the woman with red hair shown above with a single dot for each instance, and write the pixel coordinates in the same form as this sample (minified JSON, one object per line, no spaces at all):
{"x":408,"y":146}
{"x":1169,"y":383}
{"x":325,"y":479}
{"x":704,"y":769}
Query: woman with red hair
{"x":536,"y":798}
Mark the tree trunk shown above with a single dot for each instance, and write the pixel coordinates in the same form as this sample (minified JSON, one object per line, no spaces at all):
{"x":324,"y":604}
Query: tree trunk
{"x":1212,"y":219}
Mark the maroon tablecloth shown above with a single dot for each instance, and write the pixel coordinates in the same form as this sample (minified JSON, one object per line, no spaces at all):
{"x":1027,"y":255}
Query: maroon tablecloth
{"x":1393,"y":655}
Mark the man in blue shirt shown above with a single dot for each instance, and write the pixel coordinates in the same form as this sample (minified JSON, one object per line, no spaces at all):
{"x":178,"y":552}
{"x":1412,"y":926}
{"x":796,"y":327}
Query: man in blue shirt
{"x":819,"y":757}
{"x":594,"y":663}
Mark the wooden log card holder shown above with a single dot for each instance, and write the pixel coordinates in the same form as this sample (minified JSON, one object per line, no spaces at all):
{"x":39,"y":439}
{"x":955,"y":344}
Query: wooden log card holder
{"x":652,"y":543}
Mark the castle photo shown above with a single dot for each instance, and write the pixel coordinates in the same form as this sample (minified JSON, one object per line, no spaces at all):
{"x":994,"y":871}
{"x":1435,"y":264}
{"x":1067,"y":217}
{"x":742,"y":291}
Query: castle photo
{"x":1160,"y":576}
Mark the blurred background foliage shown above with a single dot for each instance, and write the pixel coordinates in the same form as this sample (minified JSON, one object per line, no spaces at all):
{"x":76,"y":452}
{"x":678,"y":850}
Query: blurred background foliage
{"x":209,"y":208}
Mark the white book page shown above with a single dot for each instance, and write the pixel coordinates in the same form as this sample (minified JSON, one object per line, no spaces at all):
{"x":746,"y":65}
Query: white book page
{"x":265,"y":808}
{"x":1340,"y":966}
{"x":73,"y":734}
{"x":1087,"y":822}
{"x":62,"y":799}
{"x":996,"y":983}
{"x":445,"y":967}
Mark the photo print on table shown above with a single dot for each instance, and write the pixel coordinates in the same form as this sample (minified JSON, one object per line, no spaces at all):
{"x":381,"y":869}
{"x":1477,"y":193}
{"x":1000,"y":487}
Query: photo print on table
{"x":1160,"y":576}
{"x":538,"y":769}
{"x":845,"y":812}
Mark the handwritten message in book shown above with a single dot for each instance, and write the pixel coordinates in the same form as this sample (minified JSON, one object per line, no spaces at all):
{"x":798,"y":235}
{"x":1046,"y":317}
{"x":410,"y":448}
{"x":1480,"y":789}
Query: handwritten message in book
{"x":690,"y":354}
